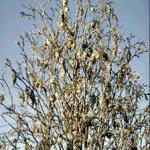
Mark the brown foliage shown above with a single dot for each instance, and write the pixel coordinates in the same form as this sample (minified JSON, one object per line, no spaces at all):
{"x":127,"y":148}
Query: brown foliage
{"x":75,"y":85}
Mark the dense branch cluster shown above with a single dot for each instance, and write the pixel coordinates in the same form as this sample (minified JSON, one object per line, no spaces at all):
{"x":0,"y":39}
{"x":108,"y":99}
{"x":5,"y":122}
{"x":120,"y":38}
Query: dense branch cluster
{"x":75,"y":86}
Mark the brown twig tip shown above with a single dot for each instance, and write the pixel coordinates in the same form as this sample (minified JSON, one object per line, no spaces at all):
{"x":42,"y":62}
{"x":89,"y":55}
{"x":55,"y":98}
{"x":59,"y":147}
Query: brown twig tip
{"x":2,"y":98}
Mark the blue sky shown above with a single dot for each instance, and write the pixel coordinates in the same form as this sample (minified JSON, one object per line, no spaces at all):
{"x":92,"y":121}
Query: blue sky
{"x":133,"y":15}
